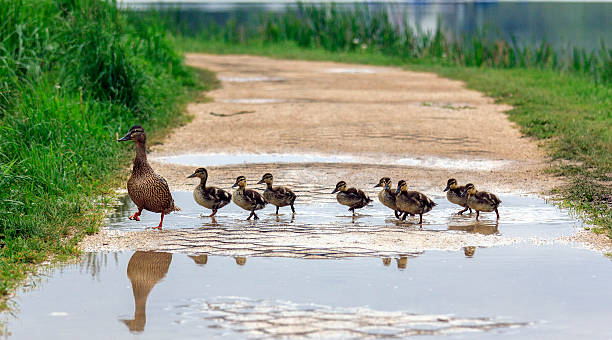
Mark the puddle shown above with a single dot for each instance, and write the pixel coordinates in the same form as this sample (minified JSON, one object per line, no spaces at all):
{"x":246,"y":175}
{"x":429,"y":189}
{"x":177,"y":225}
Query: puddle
{"x":517,"y":293}
{"x":322,"y":229}
{"x":319,"y":213}
{"x":352,"y":70}
{"x":250,"y":79}
{"x":221,"y":159}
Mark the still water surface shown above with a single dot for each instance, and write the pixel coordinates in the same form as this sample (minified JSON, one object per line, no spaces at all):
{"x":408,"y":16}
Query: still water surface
{"x":508,"y":292}
{"x":582,"y":24}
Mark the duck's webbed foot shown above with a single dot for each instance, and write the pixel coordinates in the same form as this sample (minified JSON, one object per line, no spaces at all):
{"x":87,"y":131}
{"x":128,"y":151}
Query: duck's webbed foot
{"x":159,"y":227}
{"x":135,"y":216}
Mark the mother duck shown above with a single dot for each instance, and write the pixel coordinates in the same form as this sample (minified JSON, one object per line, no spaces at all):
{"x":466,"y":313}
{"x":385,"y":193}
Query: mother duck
{"x":147,"y":189}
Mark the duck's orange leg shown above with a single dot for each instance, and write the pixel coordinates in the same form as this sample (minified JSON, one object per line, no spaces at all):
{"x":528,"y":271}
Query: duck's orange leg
{"x":160,"y":222}
{"x":136,"y":214}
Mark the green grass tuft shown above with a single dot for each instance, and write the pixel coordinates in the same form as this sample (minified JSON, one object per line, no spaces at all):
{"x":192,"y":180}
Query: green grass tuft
{"x":73,"y":74}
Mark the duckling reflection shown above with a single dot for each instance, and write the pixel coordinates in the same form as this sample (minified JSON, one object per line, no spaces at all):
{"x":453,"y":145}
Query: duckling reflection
{"x":200,"y":260}
{"x":402,"y":262}
{"x":240,"y":260}
{"x":386,"y":261}
{"x":469,"y":251}
{"x":144,"y":270}
{"x":481,"y":227}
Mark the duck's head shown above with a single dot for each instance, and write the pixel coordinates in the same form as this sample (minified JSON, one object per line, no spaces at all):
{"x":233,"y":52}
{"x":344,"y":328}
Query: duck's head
{"x":451,"y":184}
{"x":341,"y":186}
{"x":266,"y":178}
{"x":470,"y":189}
{"x":136,"y":133}
{"x":401,"y":186}
{"x":240,"y":181}
{"x":199,"y":173}
{"x":384,"y":182}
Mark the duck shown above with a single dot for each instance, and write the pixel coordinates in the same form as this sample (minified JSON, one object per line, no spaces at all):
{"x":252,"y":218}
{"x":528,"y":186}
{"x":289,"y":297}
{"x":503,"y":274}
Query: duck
{"x":481,"y":200}
{"x":145,"y":269}
{"x":412,"y":202}
{"x":147,"y":189}
{"x":247,"y":199}
{"x":209,"y":197}
{"x":278,"y":196}
{"x":456,"y":194}
{"x":387,"y":195}
{"x":351,"y":197}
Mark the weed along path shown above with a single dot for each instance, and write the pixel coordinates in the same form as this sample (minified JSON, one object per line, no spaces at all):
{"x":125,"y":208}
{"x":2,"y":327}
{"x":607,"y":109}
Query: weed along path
{"x":323,"y":273}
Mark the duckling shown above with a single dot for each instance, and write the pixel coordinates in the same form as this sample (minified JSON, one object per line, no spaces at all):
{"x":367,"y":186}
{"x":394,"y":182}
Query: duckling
{"x":247,"y":199}
{"x":351,"y":197}
{"x":279,"y":196}
{"x":147,"y":189}
{"x":209,"y":197}
{"x":387,"y":195}
{"x":455,"y":194}
{"x":412,"y":202}
{"x":481,"y":200}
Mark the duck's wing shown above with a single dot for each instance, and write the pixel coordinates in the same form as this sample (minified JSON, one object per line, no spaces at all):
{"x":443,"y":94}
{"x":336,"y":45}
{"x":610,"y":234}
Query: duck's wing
{"x":488,"y":198}
{"x":420,"y":199}
{"x":216,"y":194}
{"x":160,"y":192}
{"x":255,"y":197}
{"x":357,"y":194}
{"x":283,"y":193}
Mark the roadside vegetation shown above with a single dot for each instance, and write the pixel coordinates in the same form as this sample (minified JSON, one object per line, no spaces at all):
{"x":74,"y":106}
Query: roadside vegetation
{"x":562,"y":99}
{"x":73,"y":74}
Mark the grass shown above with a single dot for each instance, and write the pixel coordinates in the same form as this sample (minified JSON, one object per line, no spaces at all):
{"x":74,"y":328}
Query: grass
{"x":570,"y":113}
{"x":73,"y":74}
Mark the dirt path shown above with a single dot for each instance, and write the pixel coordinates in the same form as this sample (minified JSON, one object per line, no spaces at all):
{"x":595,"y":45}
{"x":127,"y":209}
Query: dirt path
{"x":278,"y":106}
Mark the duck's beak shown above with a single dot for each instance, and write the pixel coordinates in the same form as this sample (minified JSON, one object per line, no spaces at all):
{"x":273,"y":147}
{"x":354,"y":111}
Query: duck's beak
{"x":378,"y":185}
{"x":125,"y":138}
{"x":335,"y":191}
{"x":447,"y":187}
{"x":235,"y":184}
{"x":397,"y":191}
{"x":463,"y":193}
{"x":261,"y":181}
{"x":192,"y":175}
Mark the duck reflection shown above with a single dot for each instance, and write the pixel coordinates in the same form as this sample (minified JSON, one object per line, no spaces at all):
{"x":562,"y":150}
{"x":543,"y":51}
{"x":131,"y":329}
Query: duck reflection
{"x":469,"y":251}
{"x":200,"y":260}
{"x":402,"y":261}
{"x":240,"y":260}
{"x":386,"y":261}
{"x":481,"y":227}
{"x":144,"y":270}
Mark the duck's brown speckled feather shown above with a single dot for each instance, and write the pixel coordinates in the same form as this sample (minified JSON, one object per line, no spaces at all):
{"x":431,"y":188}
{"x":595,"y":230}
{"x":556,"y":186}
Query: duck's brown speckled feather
{"x":483,"y":201}
{"x":211,"y":197}
{"x":353,"y":198}
{"x":414,"y":202}
{"x":279,"y":196}
{"x":456,"y":196}
{"x":387,"y":198}
{"x":249,"y":199}
{"x":149,"y":190}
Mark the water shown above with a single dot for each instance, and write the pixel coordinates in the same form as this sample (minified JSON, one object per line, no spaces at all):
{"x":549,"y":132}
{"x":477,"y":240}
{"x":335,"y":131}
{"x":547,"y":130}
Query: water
{"x":429,"y":162}
{"x":507,"y":292}
{"x":582,"y":24}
